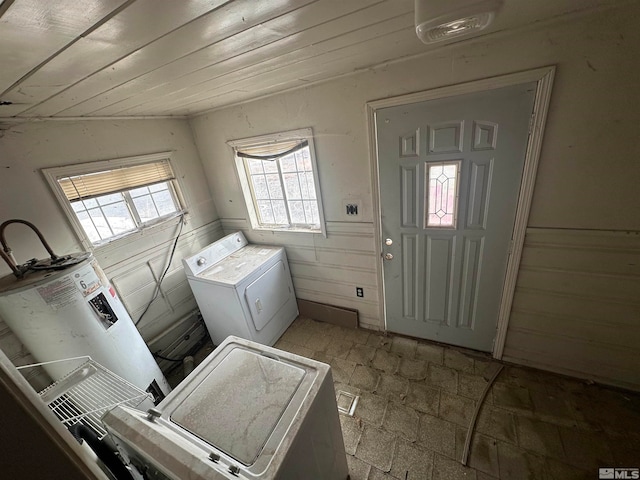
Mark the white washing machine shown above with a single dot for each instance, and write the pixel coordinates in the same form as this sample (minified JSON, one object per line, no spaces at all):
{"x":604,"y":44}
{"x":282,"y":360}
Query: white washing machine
{"x":242,"y":290}
{"x":248,"y":411}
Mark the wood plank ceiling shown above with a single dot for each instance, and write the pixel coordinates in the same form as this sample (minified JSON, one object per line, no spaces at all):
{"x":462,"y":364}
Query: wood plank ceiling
{"x":71,"y":58}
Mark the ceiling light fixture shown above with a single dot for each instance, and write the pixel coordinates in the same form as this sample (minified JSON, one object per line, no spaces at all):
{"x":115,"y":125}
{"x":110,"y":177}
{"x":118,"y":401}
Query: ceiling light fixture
{"x":439,"y":20}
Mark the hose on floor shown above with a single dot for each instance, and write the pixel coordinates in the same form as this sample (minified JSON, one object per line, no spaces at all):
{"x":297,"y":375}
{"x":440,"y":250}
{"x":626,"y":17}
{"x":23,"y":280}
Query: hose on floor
{"x":474,"y":419}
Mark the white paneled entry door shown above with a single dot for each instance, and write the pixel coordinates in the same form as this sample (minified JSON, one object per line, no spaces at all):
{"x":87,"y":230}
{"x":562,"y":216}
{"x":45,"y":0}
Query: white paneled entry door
{"x":449,"y":178}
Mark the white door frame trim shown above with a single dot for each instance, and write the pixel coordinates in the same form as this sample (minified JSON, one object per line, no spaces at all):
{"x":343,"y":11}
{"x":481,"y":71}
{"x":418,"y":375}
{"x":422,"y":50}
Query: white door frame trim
{"x":544,"y":78}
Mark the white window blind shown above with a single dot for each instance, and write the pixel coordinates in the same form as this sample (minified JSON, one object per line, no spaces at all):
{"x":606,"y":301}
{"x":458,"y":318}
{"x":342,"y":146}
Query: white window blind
{"x":92,"y":185}
{"x":271,"y":151}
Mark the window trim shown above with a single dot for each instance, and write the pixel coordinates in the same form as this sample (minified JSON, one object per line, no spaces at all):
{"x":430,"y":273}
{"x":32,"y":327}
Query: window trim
{"x":247,"y":190}
{"x":52,"y":175}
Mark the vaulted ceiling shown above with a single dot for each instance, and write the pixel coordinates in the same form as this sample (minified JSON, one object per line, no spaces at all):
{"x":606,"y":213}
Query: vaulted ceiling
{"x":73,"y":58}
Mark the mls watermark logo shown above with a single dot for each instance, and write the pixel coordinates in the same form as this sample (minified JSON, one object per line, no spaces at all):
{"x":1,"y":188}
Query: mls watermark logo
{"x":625,"y":473}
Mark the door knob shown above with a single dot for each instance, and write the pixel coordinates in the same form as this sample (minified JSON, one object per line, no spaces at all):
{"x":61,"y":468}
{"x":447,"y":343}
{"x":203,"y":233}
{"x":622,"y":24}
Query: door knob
{"x":388,"y":256}
{"x":388,"y":241}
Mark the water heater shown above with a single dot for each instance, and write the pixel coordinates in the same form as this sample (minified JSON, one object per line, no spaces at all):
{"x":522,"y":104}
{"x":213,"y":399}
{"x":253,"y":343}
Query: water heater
{"x":67,"y":308}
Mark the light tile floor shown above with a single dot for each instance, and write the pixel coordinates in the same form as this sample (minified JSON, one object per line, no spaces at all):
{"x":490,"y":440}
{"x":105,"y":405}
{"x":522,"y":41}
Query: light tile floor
{"x":417,"y":398}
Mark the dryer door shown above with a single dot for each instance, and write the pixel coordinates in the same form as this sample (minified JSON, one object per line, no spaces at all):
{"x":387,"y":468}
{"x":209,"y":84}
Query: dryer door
{"x":267,"y":294}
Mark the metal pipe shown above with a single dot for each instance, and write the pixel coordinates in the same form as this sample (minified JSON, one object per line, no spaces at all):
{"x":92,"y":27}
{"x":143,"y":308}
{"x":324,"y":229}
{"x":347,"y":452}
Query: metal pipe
{"x":187,"y":365}
{"x":6,"y":255}
{"x":12,"y":265}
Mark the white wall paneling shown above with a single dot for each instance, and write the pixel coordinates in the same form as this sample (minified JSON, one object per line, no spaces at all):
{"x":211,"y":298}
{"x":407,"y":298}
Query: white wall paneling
{"x":576,"y":306}
{"x":137,"y":279}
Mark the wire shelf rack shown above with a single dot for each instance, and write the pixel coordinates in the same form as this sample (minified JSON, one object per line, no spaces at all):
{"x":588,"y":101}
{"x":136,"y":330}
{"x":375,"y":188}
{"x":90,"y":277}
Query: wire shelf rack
{"x":87,"y":392}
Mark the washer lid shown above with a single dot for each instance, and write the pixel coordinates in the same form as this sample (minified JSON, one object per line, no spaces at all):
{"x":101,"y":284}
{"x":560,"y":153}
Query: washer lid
{"x":239,"y":265}
{"x":239,"y":403}
{"x":213,"y":253}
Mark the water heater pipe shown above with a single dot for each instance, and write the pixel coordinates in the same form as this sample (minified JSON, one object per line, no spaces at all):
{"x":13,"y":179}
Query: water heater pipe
{"x":6,"y":254}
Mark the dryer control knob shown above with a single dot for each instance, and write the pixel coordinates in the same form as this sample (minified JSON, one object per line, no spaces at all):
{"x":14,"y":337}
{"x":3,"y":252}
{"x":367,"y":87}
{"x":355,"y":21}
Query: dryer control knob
{"x":201,"y":261}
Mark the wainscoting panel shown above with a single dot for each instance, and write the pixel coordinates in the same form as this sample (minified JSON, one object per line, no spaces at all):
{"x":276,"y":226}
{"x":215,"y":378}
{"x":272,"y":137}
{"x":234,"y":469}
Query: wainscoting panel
{"x":136,"y":280}
{"x":576,"y":308}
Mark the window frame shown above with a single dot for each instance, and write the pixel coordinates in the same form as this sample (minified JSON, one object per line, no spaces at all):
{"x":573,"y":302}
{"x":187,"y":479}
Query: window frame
{"x":427,"y":194}
{"x":242,"y":172}
{"x":53,"y":174}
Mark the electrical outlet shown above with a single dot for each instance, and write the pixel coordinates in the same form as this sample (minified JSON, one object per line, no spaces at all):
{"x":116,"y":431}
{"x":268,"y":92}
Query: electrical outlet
{"x":359,"y":292}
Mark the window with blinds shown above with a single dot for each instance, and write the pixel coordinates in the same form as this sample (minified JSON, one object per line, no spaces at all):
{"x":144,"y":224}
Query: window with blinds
{"x":278,"y":174}
{"x":110,"y":199}
{"x":96,"y":184}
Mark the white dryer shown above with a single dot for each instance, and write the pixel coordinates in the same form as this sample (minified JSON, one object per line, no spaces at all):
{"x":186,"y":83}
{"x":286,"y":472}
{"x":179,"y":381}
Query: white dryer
{"x":242,"y":290}
{"x":247,"y":412}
